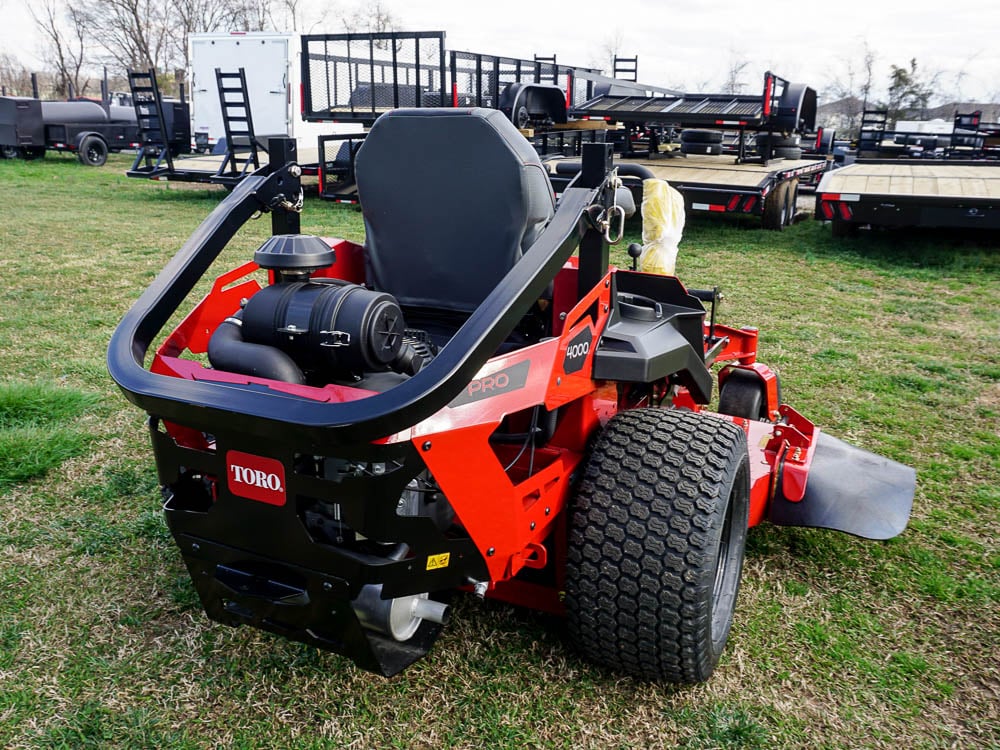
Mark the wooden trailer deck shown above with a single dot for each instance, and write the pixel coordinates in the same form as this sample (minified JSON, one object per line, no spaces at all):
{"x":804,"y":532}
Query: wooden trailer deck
{"x":723,"y":170}
{"x":918,"y":179}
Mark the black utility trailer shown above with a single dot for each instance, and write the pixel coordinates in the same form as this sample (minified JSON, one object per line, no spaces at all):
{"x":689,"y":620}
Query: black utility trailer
{"x":29,"y":127}
{"x":756,"y":174}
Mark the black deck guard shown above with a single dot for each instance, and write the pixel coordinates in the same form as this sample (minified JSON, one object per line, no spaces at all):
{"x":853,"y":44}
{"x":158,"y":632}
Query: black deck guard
{"x":851,"y":490}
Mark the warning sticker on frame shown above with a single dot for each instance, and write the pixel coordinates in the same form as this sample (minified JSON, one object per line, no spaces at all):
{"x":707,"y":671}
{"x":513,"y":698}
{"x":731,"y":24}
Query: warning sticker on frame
{"x":436,"y":562}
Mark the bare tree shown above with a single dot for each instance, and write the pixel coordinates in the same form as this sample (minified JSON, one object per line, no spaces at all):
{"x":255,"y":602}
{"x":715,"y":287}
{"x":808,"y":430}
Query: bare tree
{"x":372,"y":16}
{"x":64,"y":32}
{"x":134,"y":34}
{"x":253,"y":15}
{"x":14,"y":76}
{"x":197,"y":16}
{"x":851,"y":90}
{"x":610,"y":48}
{"x":738,"y":65}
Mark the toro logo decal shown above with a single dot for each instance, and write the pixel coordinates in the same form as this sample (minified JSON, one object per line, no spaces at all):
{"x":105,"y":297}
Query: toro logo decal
{"x":577,"y":351}
{"x":502,"y":381}
{"x":255,"y":477}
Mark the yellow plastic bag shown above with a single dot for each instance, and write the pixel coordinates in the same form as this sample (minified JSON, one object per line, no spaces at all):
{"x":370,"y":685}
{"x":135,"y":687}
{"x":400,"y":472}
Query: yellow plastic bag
{"x":662,"y":227}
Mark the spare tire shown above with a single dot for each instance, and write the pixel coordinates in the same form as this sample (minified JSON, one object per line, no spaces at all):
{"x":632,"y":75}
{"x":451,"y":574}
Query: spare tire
{"x":701,"y":136}
{"x":777,"y":141}
{"x":701,"y":148}
{"x":784,"y":152}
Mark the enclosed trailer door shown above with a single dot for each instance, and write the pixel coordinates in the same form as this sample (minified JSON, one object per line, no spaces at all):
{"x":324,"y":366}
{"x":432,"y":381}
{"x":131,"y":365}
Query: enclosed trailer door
{"x":265,"y":59}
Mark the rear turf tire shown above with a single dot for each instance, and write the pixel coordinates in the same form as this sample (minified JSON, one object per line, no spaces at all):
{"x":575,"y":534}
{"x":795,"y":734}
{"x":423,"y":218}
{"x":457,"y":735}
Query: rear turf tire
{"x":657,"y":531}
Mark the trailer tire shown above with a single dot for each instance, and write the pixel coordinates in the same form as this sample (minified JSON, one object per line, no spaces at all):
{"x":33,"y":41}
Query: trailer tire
{"x":775,"y":214}
{"x":701,"y":136}
{"x":787,"y":152}
{"x":791,"y":201}
{"x":93,"y":151}
{"x":779,"y":141}
{"x":657,"y":531}
{"x":713,"y":149}
{"x":10,"y":152}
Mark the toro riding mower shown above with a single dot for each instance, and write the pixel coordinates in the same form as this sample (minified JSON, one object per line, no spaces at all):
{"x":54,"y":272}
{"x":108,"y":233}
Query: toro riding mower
{"x":472,"y":401}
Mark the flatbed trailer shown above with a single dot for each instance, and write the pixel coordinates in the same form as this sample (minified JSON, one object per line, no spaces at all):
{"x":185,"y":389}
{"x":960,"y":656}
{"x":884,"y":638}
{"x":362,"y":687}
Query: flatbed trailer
{"x":911,"y":193}
{"x":719,"y":185}
{"x":738,"y":181}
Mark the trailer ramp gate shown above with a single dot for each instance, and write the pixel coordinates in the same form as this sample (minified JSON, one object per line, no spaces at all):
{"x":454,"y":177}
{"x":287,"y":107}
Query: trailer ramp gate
{"x":154,"y":157}
{"x":357,"y":77}
{"x":782,"y":106}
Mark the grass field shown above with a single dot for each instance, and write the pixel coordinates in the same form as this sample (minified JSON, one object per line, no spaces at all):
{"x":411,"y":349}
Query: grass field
{"x":889,"y":340}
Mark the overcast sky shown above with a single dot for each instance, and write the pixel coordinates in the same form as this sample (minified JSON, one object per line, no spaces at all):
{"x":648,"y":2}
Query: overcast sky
{"x":693,"y":44}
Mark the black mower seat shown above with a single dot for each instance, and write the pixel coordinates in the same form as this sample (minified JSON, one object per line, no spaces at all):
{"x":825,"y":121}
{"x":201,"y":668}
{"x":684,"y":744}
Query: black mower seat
{"x":451,"y":199}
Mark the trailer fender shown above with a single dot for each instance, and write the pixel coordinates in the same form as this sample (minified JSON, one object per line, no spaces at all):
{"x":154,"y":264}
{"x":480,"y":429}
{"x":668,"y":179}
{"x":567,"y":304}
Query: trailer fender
{"x":83,"y":135}
{"x":796,"y":109}
{"x":527,"y":102}
{"x":851,"y":490}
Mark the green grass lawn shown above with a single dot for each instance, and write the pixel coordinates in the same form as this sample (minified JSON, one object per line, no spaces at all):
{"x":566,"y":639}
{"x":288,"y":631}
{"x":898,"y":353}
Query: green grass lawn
{"x":888,"y":340}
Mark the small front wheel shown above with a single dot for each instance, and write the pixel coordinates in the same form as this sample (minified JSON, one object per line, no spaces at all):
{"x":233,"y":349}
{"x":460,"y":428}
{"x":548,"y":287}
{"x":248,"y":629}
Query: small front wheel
{"x":657,"y":532}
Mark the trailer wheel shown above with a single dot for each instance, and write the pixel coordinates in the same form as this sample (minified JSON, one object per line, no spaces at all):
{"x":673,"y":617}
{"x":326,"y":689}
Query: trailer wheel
{"x":93,"y":151}
{"x":791,"y":201}
{"x":10,"y":152}
{"x":776,"y":208}
{"x":657,"y":530}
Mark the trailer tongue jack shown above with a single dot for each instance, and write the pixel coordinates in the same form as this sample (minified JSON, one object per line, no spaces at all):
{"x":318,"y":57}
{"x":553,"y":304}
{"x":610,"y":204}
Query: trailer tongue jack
{"x":461,"y":404}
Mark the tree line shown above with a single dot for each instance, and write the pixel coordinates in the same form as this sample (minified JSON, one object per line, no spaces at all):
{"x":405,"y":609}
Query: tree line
{"x":79,"y":38}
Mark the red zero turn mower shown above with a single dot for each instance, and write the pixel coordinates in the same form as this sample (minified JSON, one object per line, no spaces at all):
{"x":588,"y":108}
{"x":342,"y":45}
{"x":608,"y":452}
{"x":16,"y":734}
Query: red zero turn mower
{"x":462,"y":404}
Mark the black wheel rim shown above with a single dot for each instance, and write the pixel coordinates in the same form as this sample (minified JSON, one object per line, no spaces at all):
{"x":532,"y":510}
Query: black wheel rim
{"x":726,"y":566}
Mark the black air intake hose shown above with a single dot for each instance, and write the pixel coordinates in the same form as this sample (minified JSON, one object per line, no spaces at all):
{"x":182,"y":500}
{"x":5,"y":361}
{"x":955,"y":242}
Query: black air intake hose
{"x":227,"y":351}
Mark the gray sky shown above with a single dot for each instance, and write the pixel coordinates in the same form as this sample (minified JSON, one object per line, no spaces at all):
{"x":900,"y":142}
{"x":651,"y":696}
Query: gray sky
{"x":692,"y":44}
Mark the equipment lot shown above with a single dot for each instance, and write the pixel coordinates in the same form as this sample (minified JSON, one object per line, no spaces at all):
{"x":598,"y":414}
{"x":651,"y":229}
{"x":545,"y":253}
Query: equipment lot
{"x":891,"y":340}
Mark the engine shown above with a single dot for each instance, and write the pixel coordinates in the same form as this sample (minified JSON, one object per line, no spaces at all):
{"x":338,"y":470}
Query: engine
{"x":316,"y":331}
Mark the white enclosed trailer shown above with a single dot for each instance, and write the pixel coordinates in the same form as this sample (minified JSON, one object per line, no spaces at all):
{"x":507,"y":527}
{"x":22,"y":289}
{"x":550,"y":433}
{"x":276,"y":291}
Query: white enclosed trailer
{"x":273,"y":78}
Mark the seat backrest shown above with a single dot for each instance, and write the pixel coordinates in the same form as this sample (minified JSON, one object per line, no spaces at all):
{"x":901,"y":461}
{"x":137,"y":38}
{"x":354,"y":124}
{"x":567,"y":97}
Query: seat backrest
{"x":451,"y":198}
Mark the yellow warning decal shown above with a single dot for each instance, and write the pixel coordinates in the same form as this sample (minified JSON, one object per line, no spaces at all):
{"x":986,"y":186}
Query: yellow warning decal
{"x":435,"y":562}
